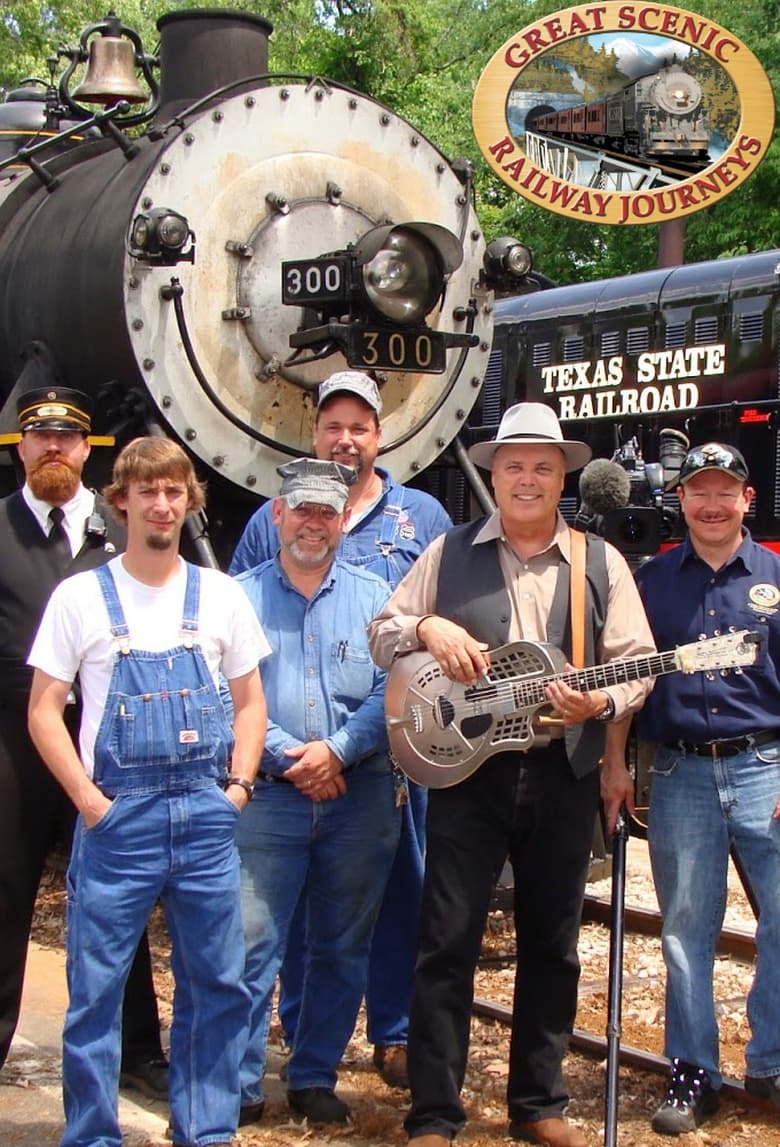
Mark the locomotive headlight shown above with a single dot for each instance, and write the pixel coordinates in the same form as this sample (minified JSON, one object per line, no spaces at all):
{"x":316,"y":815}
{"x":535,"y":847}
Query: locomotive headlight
{"x":403,"y":269}
{"x":162,"y":236}
{"x":403,"y":281}
{"x":507,"y":256}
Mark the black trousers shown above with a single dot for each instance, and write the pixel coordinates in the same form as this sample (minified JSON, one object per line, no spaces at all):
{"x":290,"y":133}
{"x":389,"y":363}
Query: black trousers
{"x":531,"y":808}
{"x":35,"y":816}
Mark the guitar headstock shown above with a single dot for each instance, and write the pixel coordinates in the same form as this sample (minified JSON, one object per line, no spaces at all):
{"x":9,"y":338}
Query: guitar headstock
{"x":728,"y":651}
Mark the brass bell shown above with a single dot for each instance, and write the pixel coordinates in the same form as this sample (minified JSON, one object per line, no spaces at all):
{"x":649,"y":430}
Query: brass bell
{"x":110,"y":74}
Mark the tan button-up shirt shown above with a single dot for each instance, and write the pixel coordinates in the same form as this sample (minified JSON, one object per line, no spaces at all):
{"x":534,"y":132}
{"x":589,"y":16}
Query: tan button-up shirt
{"x":531,"y":584}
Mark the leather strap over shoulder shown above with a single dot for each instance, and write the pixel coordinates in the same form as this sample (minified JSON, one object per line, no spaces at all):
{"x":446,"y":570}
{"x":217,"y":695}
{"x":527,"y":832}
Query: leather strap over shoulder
{"x":578,"y":544}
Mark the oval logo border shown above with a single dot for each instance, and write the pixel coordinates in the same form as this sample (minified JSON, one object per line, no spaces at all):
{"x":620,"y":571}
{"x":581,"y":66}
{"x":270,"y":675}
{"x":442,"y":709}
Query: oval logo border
{"x":576,"y":201}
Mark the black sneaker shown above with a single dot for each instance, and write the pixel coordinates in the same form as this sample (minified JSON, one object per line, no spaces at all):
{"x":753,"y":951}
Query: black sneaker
{"x":150,"y":1078}
{"x":318,"y":1105}
{"x":768,"y":1087}
{"x":690,"y":1099}
{"x":251,"y":1112}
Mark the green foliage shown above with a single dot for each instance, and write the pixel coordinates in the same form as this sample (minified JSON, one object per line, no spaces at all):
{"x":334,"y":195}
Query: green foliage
{"x":423,"y":60}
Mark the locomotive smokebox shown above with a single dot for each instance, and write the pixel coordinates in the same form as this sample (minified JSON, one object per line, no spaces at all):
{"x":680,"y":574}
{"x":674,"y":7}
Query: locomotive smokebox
{"x":203,"y":50}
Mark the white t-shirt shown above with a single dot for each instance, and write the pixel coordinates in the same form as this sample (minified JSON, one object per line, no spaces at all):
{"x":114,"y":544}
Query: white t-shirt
{"x":75,"y":633}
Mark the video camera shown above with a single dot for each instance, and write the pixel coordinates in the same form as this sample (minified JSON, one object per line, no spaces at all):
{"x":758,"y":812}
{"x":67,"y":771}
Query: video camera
{"x":622,"y":498}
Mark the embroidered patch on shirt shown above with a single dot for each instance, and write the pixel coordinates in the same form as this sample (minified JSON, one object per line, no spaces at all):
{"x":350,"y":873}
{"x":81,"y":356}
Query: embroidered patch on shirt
{"x":763,"y":598}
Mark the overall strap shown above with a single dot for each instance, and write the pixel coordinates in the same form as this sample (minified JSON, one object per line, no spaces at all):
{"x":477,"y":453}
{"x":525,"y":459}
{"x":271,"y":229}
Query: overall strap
{"x":189,"y":622}
{"x":116,"y":616}
{"x":391,"y":517}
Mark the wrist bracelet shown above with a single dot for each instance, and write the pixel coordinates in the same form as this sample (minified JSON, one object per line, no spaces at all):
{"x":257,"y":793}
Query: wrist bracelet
{"x":246,"y":785}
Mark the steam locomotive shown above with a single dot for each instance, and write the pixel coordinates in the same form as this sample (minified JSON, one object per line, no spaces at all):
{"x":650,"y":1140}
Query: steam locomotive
{"x":656,"y":118}
{"x":167,"y":274}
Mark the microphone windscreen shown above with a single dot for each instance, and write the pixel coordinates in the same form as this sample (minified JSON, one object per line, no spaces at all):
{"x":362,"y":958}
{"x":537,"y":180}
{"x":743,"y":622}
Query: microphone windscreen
{"x":604,"y":486}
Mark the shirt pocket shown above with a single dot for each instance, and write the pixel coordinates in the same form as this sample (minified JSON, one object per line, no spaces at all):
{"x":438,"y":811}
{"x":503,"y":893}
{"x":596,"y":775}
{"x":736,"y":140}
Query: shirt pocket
{"x":351,"y":674}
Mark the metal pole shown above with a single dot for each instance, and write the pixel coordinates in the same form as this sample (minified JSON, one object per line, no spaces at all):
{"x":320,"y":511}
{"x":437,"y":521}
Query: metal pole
{"x":615,"y":989}
{"x":473,"y":477}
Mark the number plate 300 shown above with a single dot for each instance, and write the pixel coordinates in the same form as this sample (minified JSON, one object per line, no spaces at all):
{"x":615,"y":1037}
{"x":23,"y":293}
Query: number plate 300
{"x":381,"y":348}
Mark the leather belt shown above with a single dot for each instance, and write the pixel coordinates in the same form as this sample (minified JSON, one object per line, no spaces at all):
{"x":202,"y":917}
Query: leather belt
{"x":727,"y":748}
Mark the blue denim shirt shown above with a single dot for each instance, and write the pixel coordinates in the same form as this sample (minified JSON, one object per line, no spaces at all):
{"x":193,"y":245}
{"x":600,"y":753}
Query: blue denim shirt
{"x":387,"y":540}
{"x":319,"y":680}
{"x":685,"y":599}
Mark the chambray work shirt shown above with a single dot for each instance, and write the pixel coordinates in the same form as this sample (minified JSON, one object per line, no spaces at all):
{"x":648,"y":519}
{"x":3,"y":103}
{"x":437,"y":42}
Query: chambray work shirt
{"x":387,"y":539}
{"x":319,"y":680}
{"x":686,"y":599}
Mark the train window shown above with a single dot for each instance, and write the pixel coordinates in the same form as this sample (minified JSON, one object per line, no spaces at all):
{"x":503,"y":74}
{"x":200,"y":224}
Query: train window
{"x":705,"y":329}
{"x":751,"y":328}
{"x":573,"y":348}
{"x":674,"y":335}
{"x":637,"y":340}
{"x":610,"y":343}
{"x":541,"y":355}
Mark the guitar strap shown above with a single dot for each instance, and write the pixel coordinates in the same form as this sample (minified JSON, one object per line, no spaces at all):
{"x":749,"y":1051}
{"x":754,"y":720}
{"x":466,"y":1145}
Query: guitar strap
{"x":578,"y":544}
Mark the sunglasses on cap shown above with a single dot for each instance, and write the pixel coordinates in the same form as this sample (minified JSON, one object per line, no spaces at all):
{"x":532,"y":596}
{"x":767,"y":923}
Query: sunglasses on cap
{"x":714,"y":456}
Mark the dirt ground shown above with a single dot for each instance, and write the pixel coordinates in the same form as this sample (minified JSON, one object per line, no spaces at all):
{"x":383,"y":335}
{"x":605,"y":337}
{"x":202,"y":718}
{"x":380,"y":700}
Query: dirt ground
{"x":379,"y":1111}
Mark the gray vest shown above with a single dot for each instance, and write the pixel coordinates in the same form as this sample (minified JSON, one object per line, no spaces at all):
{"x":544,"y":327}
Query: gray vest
{"x":472,"y":592}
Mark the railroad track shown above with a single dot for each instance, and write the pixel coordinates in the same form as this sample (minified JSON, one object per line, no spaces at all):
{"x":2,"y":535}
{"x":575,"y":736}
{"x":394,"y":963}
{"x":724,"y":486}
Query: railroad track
{"x":733,"y":943}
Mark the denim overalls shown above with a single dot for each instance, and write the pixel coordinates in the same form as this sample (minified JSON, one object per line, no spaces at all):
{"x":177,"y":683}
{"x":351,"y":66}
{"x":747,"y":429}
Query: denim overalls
{"x":162,"y":748}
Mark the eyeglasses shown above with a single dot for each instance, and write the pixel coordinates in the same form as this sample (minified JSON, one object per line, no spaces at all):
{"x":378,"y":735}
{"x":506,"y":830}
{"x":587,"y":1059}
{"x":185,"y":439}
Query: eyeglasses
{"x":314,"y":510}
{"x":713,"y":456}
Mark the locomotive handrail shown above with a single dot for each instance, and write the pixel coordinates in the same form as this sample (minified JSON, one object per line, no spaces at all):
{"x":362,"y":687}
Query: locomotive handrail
{"x":101,"y":120}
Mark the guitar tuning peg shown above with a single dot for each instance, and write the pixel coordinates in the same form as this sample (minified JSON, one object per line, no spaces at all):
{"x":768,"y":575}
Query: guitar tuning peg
{"x":710,"y":675}
{"x":716,"y":633}
{"x":702,"y":637}
{"x":738,"y":669}
{"x":724,"y":672}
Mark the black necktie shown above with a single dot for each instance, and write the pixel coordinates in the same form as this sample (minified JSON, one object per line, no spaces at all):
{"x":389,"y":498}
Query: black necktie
{"x":58,"y":539}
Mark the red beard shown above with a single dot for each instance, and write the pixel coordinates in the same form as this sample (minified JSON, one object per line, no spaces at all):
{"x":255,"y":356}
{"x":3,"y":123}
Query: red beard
{"x":54,"y":479}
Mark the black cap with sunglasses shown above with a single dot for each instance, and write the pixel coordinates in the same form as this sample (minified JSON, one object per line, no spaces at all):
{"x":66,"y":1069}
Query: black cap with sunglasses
{"x":713,"y":456}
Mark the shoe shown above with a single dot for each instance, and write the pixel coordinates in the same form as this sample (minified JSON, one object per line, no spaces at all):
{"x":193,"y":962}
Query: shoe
{"x":251,"y":1112}
{"x":390,"y":1062}
{"x":150,"y":1078}
{"x":318,"y":1105}
{"x":767,"y":1087}
{"x":552,"y":1132}
{"x":690,"y":1099}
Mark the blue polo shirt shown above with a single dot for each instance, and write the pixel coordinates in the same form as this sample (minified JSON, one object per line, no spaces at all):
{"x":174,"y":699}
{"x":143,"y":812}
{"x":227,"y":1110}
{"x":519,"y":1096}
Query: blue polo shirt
{"x":685,"y":600}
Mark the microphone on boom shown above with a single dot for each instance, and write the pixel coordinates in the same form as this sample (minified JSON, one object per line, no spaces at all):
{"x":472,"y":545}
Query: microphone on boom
{"x":604,"y":486}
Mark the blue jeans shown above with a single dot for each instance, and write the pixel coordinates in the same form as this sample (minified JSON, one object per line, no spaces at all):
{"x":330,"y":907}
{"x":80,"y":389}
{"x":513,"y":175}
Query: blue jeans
{"x":698,"y":808}
{"x":180,"y":848}
{"x":393,"y":945}
{"x":336,"y":855}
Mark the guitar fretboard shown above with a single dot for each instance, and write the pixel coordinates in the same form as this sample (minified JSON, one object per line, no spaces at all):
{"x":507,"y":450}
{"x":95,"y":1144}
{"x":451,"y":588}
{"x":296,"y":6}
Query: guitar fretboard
{"x":530,"y":692}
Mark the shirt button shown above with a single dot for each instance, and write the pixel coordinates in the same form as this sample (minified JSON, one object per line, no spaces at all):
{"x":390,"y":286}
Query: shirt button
{"x":312,"y":704}
{"x":310,"y":671}
{"x":714,"y":709}
{"x":310,"y":637}
{"x":711,"y":612}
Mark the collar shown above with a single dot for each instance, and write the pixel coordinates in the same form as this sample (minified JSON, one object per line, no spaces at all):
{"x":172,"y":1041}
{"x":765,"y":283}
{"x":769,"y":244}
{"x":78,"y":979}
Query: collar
{"x":492,"y":531}
{"x":742,"y":554}
{"x":76,"y":511}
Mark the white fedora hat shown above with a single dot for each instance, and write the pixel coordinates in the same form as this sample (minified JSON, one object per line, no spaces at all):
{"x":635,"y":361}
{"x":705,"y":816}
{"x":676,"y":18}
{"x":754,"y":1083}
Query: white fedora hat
{"x":530,"y":424}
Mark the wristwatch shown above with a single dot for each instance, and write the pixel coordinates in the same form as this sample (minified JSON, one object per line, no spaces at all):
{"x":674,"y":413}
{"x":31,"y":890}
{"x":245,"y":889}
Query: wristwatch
{"x":608,"y":713}
{"x":246,"y":785}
